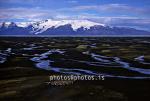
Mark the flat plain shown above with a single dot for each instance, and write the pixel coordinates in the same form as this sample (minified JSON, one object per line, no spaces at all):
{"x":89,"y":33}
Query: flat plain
{"x":27,"y":62}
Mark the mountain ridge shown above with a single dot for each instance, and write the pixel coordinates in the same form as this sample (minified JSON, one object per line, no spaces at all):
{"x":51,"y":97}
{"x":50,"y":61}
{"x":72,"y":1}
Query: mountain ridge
{"x":65,"y":27}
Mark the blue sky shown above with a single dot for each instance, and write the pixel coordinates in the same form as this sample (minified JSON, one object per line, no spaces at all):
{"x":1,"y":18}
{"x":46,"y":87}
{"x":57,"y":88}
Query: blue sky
{"x":128,"y":13}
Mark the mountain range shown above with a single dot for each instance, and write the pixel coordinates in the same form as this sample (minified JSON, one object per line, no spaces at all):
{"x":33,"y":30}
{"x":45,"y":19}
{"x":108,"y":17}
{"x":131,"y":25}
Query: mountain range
{"x":65,"y":27}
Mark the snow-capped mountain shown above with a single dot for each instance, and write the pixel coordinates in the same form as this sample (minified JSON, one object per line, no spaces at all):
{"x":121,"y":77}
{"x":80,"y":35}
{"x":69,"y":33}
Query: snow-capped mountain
{"x":65,"y":27}
{"x":40,"y":27}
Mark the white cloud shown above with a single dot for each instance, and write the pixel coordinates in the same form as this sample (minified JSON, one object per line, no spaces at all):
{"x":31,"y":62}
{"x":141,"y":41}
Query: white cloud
{"x":72,"y":1}
{"x":122,"y":8}
{"x":26,"y":13}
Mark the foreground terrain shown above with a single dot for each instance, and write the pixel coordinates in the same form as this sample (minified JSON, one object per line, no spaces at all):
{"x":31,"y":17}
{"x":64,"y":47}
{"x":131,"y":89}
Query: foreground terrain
{"x":26,"y":64}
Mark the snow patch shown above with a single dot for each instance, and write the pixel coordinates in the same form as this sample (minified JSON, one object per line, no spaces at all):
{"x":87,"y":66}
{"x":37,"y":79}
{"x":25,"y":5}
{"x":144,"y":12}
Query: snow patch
{"x":40,"y":27}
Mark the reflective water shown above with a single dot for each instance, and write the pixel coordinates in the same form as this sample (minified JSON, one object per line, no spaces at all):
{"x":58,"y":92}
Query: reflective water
{"x":44,"y":61}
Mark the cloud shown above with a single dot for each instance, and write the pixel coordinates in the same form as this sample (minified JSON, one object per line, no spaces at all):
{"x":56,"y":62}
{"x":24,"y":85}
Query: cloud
{"x":72,"y":1}
{"x":134,"y":22}
{"x":26,"y":13}
{"x":121,"y":8}
{"x":17,"y":1}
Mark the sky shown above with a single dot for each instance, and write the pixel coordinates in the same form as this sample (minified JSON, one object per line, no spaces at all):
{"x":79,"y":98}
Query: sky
{"x":122,"y":13}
